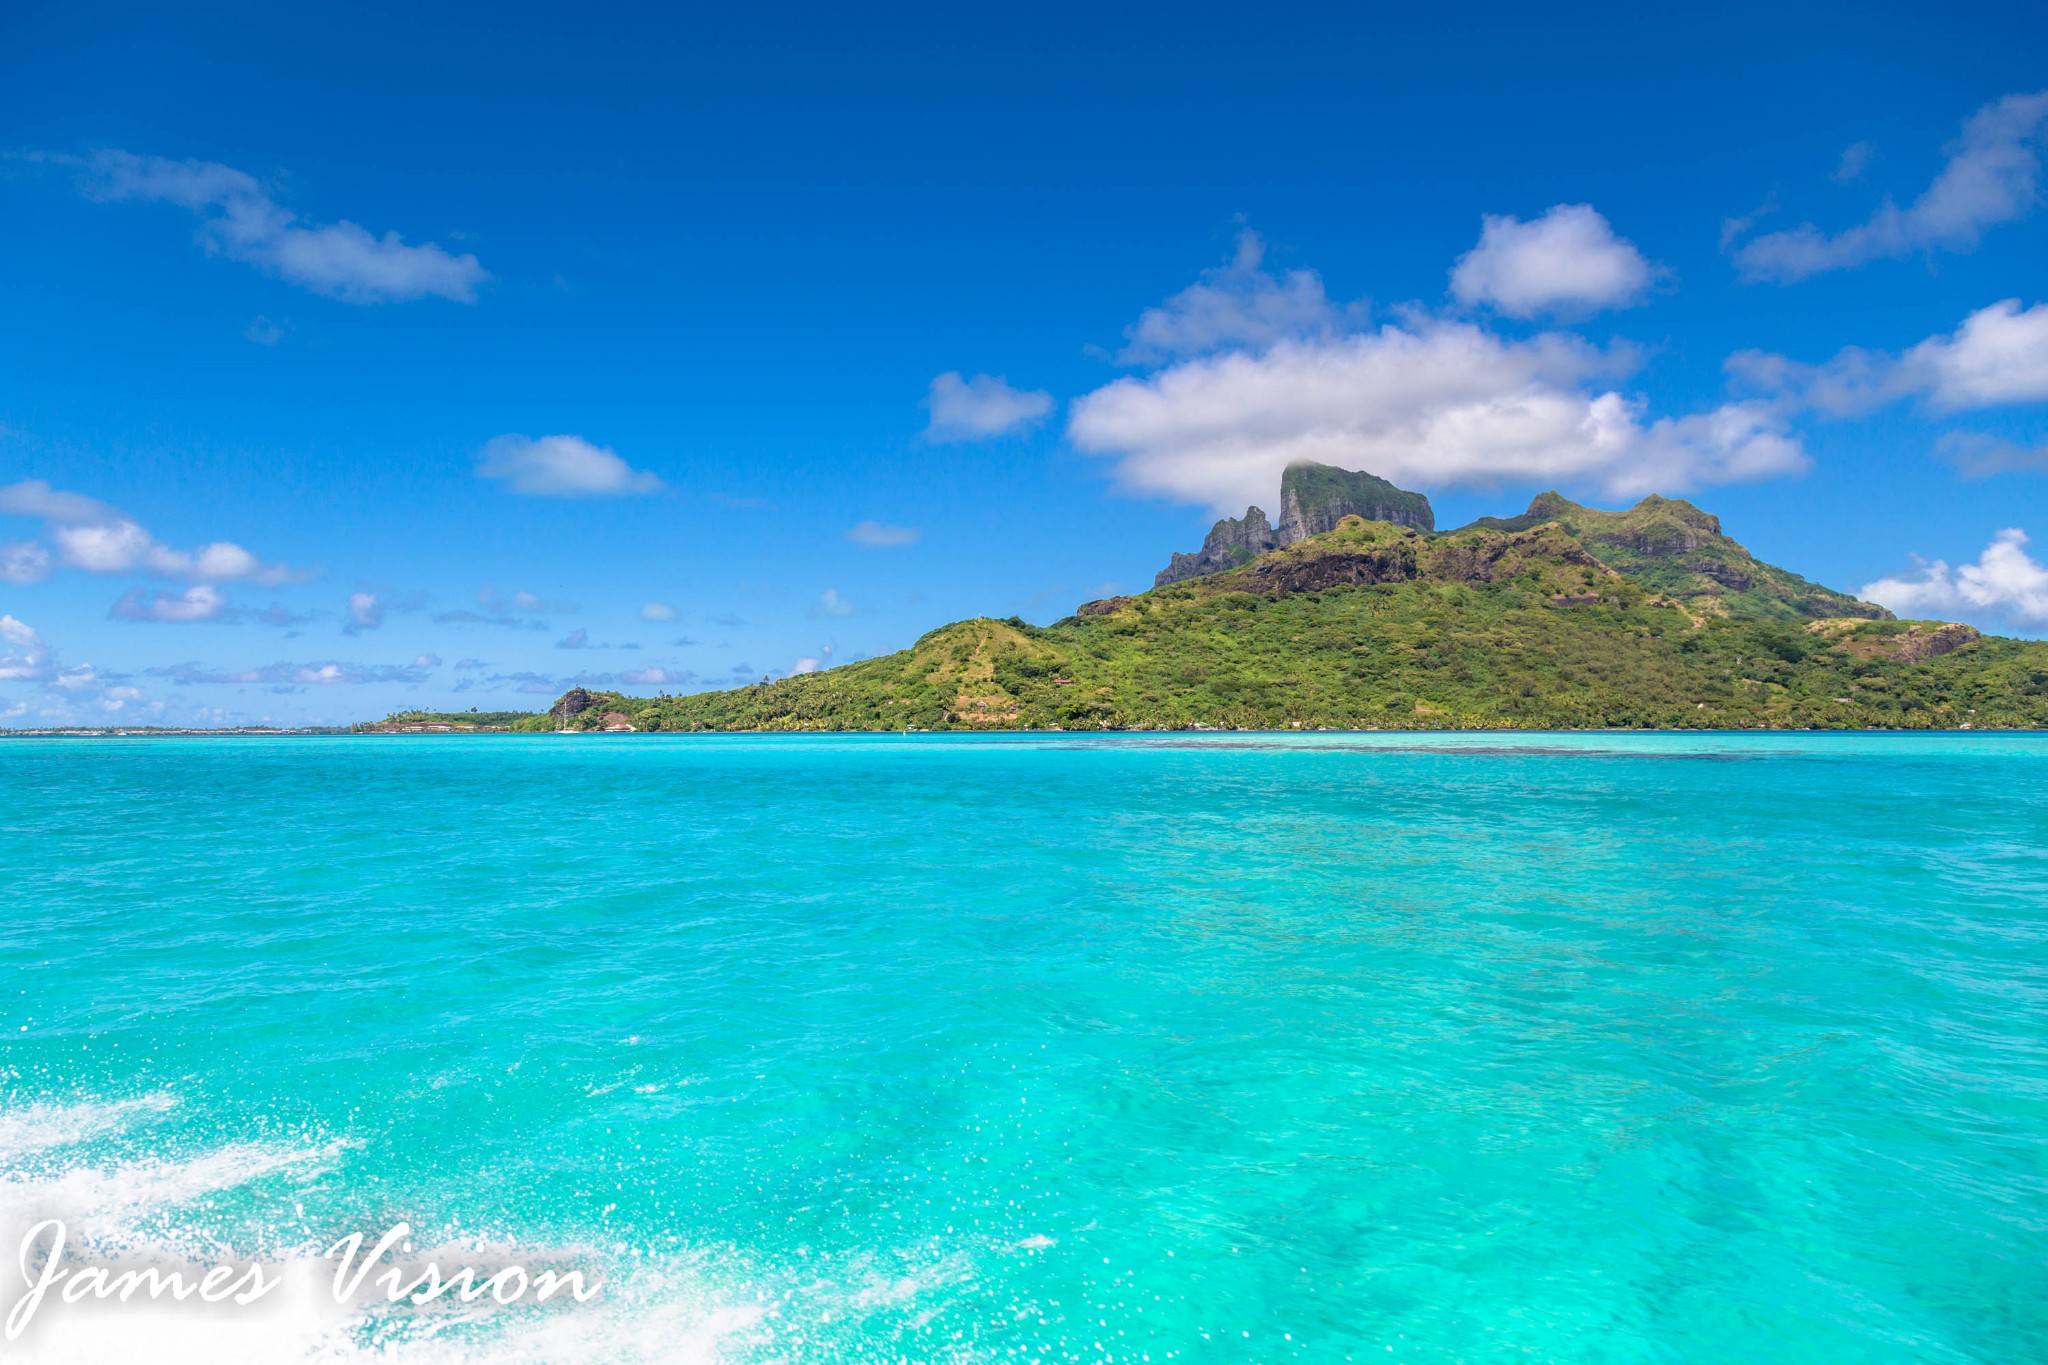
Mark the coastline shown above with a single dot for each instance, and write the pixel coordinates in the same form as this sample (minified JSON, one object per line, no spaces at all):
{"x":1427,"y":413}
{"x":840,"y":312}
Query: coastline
{"x":351,"y":732}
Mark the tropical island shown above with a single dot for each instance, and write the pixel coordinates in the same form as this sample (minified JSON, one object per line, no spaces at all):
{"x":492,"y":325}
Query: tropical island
{"x":1354,"y":612}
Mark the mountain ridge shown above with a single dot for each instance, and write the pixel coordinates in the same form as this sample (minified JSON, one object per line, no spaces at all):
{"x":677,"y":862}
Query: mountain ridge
{"x":1509,"y":623}
{"x":1673,"y":545}
{"x":1563,"y":617}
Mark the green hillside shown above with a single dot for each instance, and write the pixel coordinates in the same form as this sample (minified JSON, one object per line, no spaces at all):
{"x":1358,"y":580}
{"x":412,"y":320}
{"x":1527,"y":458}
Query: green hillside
{"x":1577,"y":618}
{"x":1672,"y":546}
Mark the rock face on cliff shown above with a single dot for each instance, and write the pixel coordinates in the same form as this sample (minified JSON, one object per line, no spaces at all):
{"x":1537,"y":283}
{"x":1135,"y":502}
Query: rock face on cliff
{"x":574,"y":702}
{"x":1313,"y":499}
{"x":1230,"y":542}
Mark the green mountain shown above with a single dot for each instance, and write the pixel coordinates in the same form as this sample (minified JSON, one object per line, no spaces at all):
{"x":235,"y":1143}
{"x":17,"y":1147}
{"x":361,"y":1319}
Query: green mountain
{"x":1566,"y":617}
{"x":1671,"y":545}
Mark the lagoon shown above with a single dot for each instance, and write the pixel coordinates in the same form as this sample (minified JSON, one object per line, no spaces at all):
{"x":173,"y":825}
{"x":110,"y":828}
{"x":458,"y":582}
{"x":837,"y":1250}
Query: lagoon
{"x":1226,"y":1047}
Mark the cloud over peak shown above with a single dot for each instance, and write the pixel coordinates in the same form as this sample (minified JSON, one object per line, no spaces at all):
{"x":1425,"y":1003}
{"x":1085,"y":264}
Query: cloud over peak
{"x":1432,"y":402}
{"x":240,"y":220}
{"x":1568,"y":261}
{"x":1239,"y":304}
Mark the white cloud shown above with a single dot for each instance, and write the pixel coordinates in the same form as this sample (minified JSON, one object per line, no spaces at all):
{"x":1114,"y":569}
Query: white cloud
{"x":27,"y":657}
{"x":24,"y":561}
{"x":1855,"y":159}
{"x":197,"y":603}
{"x":657,"y":611}
{"x":648,"y":677}
{"x":80,"y":679}
{"x":979,"y":408}
{"x":88,"y":534}
{"x":1432,"y":403}
{"x":35,"y":498}
{"x":562,"y":467}
{"x":290,"y":677}
{"x":365,"y":612}
{"x":1568,"y":261}
{"x":520,"y":611}
{"x":1978,"y":455}
{"x":830,"y":603}
{"x":1998,"y":356}
{"x":112,"y":548}
{"x":1990,"y":178}
{"x":1854,"y":382}
{"x":1238,"y":304}
{"x":2005,"y":584}
{"x":241,"y":221}
{"x":804,"y":665}
{"x":876,"y":536}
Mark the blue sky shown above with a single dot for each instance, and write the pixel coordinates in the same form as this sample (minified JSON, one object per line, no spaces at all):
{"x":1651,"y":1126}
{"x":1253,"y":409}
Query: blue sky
{"x":353,"y":359}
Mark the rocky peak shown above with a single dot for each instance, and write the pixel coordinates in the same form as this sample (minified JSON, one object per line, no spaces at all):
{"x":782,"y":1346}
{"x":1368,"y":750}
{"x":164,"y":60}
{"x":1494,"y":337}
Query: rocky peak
{"x":1314,"y":498}
{"x":1230,"y":542}
{"x":574,"y":702}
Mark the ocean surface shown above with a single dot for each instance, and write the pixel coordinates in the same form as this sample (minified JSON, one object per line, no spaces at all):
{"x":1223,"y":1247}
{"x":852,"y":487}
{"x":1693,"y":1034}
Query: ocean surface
{"x":1223,"y":1048}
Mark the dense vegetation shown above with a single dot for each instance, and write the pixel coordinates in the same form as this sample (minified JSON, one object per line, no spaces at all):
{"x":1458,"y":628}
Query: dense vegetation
{"x":1672,"y":546}
{"x":1517,"y":624}
{"x":472,"y":719}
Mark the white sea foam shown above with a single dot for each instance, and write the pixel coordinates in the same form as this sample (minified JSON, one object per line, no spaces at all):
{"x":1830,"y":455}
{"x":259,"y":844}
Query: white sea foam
{"x":673,"y":1320}
{"x":108,"y":1204}
{"x":41,"y":1126}
{"x":128,"y":1212}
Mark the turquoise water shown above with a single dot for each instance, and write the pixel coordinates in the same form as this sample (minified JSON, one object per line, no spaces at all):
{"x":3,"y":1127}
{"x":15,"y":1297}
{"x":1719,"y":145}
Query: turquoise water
{"x":1239,"y":1048}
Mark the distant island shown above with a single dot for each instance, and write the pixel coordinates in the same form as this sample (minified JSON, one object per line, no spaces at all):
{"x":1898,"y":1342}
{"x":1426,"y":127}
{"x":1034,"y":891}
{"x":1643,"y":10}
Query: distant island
{"x":1355,"y":613}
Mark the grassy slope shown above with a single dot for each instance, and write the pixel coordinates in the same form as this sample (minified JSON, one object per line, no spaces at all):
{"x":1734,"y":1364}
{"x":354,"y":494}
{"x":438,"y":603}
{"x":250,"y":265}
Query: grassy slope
{"x":1680,"y":550}
{"x":1377,"y":625}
